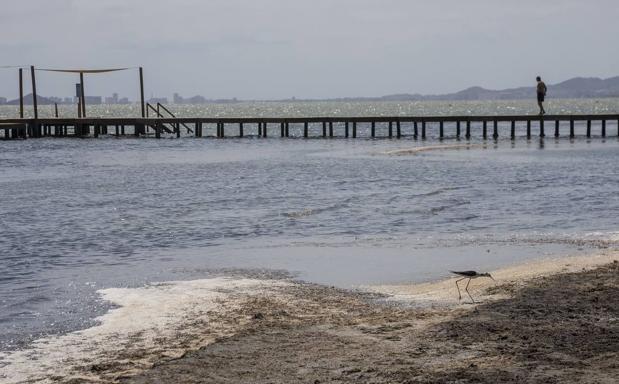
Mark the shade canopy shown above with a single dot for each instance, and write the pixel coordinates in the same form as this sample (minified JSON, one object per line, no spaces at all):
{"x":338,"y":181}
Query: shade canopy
{"x":82,"y":70}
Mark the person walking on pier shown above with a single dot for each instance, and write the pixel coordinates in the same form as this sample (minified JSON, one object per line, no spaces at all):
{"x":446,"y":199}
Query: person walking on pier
{"x":541,"y":94}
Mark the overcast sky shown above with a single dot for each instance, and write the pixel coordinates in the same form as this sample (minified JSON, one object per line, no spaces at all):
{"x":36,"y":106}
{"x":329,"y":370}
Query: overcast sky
{"x":266,"y":49}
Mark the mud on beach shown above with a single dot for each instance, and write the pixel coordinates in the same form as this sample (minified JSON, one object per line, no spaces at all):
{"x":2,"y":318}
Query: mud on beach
{"x":562,"y":328}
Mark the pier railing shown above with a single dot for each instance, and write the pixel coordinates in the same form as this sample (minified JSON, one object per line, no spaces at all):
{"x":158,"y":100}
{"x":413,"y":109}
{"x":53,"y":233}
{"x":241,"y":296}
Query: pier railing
{"x":440,"y":127}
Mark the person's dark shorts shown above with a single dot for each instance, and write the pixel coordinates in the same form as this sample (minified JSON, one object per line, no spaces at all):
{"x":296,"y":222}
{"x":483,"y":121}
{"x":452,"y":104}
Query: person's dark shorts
{"x":540,"y":97}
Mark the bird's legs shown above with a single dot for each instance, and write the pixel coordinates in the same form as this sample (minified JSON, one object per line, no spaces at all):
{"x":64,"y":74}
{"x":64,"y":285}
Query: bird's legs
{"x":467,"y":291}
{"x":459,"y":295}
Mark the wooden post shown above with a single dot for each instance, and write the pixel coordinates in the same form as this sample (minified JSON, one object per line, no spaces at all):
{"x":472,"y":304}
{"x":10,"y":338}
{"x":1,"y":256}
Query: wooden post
{"x":305,"y":129}
{"x":441,"y":130}
{"x":541,"y":127}
{"x":529,"y":129}
{"x":281,"y":127}
{"x":557,"y":128}
{"x":588,"y":128}
{"x":158,"y":130}
{"x":373,"y":129}
{"x":397,"y":129}
{"x":223,"y":130}
{"x":142,"y":92}
{"x":324,"y":129}
{"x":485,"y":129}
{"x":56,"y":110}
{"x":468,"y":129}
{"x":346,"y":129}
{"x":458,"y":129}
{"x":513,"y":130}
{"x":117,"y":131}
{"x":571,"y":128}
{"x":34,"y":94}
{"x":603,"y":128}
{"x":83,"y":95}
{"x":264,"y":129}
{"x":21,"y":93}
{"x":390,"y":129}
{"x":240,"y":129}
{"x":354,"y":130}
{"x":97,"y":128}
{"x":415,"y":130}
{"x":287,"y":129}
{"x":495,"y":130}
{"x":423,"y":129}
{"x":122,"y":130}
{"x":330,"y":129}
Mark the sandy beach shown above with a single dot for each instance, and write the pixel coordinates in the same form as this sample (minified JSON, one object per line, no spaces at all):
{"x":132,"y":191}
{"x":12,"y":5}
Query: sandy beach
{"x":545,"y":321}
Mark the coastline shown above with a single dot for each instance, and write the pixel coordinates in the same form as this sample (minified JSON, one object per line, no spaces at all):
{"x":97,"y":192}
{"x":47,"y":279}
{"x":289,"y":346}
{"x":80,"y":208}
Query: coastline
{"x":289,"y":331}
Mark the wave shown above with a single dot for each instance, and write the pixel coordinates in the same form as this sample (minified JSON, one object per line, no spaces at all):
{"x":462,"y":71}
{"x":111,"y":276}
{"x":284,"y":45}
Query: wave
{"x":416,"y":150}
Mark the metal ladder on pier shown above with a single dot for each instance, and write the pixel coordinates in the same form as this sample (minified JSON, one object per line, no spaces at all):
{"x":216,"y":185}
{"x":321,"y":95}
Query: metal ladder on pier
{"x":175,"y":128}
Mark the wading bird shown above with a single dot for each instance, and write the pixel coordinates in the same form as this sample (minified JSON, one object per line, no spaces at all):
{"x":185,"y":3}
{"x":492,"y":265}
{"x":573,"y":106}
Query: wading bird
{"x":469,"y":275}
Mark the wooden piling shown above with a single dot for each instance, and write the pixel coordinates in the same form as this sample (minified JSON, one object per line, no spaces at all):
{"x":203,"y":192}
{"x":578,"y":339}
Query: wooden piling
{"x":330,"y":129}
{"x":305,"y":129}
{"x":468,"y":129}
{"x":142,"y":104}
{"x":528,"y":128}
{"x":495,"y":129}
{"x":83,"y":95}
{"x":373,"y":129}
{"x":281,"y":128}
{"x":287,"y":129}
{"x":390,"y":129}
{"x":354,"y":130}
{"x":572,"y":128}
{"x":440,"y":130}
{"x":557,"y":128}
{"x":485,"y":130}
{"x":21,"y":93}
{"x":588,"y":128}
{"x":264,"y":129}
{"x":541,"y":127}
{"x":423,"y":129}
{"x":346,"y":129}
{"x":324,"y":129}
{"x":458,"y":129}
{"x":513,"y":130}
{"x":415,"y":130}
{"x":240,"y":129}
{"x":34,"y":93}
{"x":603,"y":128}
{"x":398,"y":129}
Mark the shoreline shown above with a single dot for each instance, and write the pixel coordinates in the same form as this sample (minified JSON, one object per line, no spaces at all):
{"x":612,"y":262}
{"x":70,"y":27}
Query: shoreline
{"x":204,"y":319}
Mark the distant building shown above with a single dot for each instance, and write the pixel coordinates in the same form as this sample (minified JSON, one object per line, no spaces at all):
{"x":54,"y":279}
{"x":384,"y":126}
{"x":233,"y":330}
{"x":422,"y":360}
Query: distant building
{"x":196,"y":100}
{"x":178,"y":99}
{"x":68,"y":100}
{"x":123,"y":100}
{"x":2,"y":100}
{"x":93,"y":100}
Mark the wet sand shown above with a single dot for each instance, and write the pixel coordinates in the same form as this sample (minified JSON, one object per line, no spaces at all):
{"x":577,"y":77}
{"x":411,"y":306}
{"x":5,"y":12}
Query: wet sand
{"x":555,"y":322}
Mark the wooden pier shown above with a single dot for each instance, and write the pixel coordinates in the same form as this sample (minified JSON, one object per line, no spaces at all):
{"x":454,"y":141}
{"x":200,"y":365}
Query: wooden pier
{"x":418,"y":127}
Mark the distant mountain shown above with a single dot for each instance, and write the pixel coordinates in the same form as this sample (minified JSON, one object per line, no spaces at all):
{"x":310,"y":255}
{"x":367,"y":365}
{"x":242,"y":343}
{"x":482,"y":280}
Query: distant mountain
{"x":578,"y":87}
{"x":41,"y":100}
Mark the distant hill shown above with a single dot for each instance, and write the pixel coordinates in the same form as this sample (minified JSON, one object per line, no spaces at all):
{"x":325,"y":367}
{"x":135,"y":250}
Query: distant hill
{"x":41,"y":100}
{"x":578,"y":87}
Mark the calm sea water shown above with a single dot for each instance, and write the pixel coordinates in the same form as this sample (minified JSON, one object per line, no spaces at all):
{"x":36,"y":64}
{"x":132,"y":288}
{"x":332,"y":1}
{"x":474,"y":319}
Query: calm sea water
{"x":81,"y":215}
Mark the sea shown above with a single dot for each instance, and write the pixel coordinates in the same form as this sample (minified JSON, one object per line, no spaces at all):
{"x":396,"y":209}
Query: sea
{"x":81,"y":215}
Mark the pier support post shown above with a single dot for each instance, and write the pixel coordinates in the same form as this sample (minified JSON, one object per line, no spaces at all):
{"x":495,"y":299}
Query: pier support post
{"x":83,"y":95}
{"x":603,"y":128}
{"x":330,"y":129}
{"x":305,"y":129}
{"x":354,"y":130}
{"x":287,"y":129}
{"x":398,"y":129}
{"x":241,"y":130}
{"x":513,"y":130}
{"x":281,"y":128}
{"x":373,"y":129}
{"x":415,"y":130}
{"x":21,"y":93}
{"x":541,"y":127}
{"x":440,"y":130}
{"x":324,"y":129}
{"x":588,"y":128}
{"x":557,"y":128}
{"x":264,"y":129}
{"x":572,"y":128}
{"x":142,"y":104}
{"x":495,"y":130}
{"x":423,"y":129}
{"x":390,"y":129}
{"x":458,"y":129}
{"x":485,"y":130}
{"x":34,"y":93}
{"x":529,"y":129}
{"x":346,"y":129}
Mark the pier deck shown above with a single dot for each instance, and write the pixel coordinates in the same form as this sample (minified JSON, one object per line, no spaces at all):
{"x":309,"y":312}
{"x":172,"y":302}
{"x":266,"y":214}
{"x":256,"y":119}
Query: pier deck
{"x":375,"y":126}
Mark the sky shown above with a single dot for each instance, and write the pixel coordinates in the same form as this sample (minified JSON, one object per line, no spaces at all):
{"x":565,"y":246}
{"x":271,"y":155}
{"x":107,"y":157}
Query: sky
{"x":273,"y":49}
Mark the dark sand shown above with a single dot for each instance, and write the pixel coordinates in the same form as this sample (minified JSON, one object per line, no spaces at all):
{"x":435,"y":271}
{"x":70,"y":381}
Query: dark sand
{"x":558,"y":329}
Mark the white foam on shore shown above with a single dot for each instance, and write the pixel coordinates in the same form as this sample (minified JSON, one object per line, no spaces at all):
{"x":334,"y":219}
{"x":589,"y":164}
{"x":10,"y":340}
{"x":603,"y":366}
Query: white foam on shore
{"x":151,"y":323}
